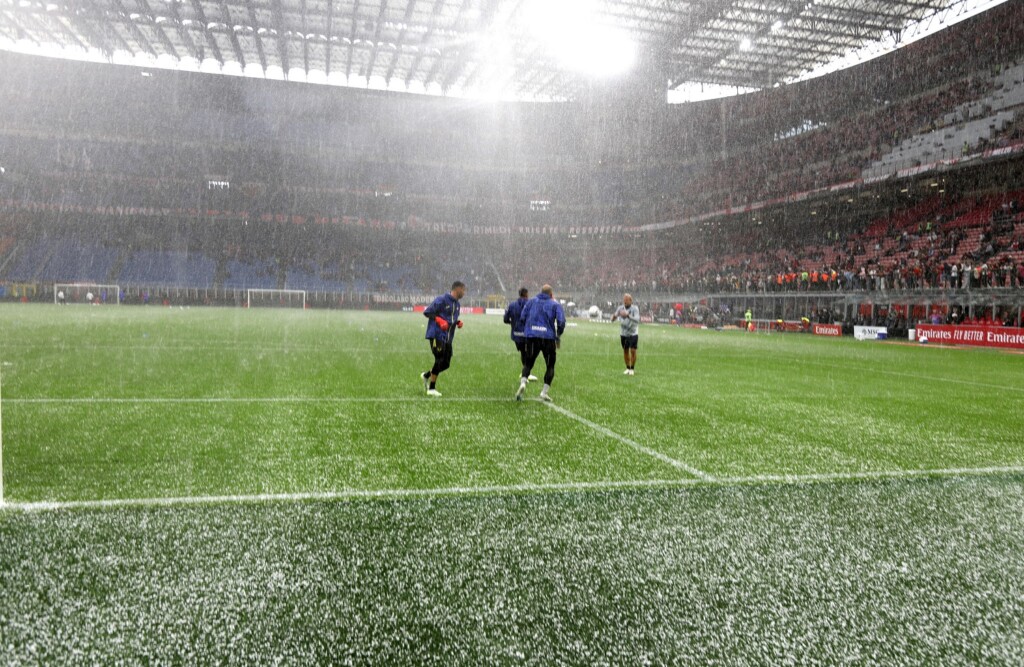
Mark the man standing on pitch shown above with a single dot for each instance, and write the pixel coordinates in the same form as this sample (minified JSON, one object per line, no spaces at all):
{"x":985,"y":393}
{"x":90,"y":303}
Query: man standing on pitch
{"x":442,"y":320}
{"x":628,"y":315}
{"x":512,"y":314}
{"x":542,"y":323}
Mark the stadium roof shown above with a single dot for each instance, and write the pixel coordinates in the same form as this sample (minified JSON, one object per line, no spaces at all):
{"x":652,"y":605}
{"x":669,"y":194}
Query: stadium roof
{"x":512,"y":49}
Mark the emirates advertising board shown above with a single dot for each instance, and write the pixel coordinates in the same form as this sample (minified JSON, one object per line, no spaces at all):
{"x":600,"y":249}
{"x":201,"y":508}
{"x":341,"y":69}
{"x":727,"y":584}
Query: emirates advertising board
{"x":1004,"y":337}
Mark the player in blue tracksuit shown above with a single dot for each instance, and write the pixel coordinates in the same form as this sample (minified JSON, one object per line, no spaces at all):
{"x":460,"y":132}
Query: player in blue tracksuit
{"x":512,"y":314}
{"x":542,"y":323}
{"x":442,"y":321}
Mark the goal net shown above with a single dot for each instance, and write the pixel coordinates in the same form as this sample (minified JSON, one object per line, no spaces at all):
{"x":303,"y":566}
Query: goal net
{"x":86,"y":293}
{"x":275,"y":298}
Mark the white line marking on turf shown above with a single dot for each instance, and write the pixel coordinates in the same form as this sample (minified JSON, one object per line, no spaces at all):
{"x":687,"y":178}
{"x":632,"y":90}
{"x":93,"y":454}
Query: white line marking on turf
{"x":635,"y":445}
{"x":353,"y":494}
{"x":803,"y":478}
{"x":257,"y":399}
{"x":347,"y":494}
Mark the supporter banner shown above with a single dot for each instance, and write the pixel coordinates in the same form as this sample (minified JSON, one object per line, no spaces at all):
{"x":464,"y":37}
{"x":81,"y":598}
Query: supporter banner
{"x":401,"y":298}
{"x":828,"y":330}
{"x":843,"y":186}
{"x":1004,"y":337}
{"x":870,"y":333}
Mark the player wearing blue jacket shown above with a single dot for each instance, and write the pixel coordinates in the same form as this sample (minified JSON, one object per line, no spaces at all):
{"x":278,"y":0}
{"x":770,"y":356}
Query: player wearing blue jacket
{"x":542,"y":323}
{"x":442,"y":321}
{"x":511,"y":318}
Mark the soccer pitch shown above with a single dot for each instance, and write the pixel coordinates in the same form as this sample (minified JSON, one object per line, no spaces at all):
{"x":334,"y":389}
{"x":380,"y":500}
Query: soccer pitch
{"x":215,"y":485}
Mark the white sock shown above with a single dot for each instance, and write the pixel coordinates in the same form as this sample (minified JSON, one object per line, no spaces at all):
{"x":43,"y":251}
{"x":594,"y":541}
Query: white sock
{"x":545,"y":389}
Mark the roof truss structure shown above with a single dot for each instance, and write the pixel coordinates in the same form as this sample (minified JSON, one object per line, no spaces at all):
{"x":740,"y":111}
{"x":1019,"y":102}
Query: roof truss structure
{"x":448,"y":46}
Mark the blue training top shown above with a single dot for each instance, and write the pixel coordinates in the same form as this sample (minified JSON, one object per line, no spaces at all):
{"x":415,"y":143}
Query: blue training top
{"x":512,"y":314}
{"x":448,"y":309}
{"x":542,"y":317}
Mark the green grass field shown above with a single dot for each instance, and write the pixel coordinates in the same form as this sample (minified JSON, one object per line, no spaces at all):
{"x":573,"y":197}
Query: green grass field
{"x":230,"y":486}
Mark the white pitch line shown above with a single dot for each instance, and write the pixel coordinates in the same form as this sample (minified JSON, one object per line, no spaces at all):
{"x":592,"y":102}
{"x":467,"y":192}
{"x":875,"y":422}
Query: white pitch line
{"x":630,"y":443}
{"x":257,"y":399}
{"x":804,"y":478}
{"x":353,"y":494}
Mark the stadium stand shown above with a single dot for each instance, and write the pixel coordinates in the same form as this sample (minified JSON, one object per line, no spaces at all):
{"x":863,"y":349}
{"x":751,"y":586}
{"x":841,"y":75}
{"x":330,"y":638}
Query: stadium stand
{"x":168,"y":269}
{"x":250,"y":275}
{"x":350,"y":196}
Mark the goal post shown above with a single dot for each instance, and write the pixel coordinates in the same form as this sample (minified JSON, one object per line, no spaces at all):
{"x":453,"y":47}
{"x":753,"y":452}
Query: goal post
{"x":275,"y":298}
{"x":79,"y":293}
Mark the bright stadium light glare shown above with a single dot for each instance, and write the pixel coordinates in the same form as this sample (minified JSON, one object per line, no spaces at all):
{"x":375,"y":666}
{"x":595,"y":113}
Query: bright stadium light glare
{"x":210,"y":66}
{"x":598,"y":51}
{"x":697,"y":91}
{"x":571,"y":31}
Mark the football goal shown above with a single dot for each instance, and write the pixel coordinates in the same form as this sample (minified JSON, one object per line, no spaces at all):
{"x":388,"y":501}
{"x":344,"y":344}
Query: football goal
{"x":87,"y":293}
{"x":275,"y":298}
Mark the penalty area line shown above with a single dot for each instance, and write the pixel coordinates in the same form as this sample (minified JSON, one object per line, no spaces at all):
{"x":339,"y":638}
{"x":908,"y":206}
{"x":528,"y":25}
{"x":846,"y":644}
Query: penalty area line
{"x":675,"y":463}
